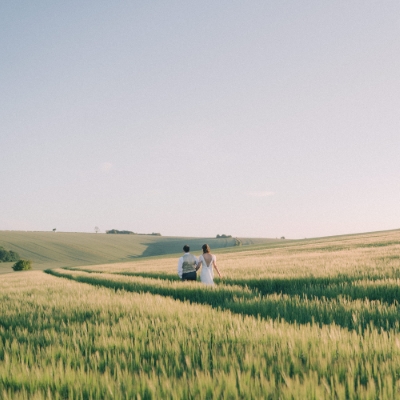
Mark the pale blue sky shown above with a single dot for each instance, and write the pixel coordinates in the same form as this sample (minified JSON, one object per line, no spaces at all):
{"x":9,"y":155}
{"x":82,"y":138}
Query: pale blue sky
{"x":249,"y":118}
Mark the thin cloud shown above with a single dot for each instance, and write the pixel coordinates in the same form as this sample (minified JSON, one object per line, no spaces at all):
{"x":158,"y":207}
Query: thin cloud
{"x":106,"y":167}
{"x":264,"y":193}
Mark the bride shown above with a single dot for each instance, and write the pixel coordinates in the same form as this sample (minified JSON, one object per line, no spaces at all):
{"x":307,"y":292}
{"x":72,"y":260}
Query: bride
{"x":207,"y":261}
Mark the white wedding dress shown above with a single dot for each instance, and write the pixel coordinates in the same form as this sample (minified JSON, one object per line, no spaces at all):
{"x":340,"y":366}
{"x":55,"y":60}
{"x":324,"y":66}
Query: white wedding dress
{"x":207,"y":271}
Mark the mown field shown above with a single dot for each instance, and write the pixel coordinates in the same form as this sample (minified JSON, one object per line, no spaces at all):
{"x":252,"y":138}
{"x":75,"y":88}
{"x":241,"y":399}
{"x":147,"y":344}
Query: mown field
{"x":50,"y":249}
{"x":316,"y":319}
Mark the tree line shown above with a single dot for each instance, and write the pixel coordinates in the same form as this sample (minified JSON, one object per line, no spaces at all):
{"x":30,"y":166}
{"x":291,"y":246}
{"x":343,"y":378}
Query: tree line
{"x":117,"y":232}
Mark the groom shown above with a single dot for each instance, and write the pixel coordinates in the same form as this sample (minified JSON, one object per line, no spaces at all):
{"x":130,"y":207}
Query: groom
{"x":187,"y":265}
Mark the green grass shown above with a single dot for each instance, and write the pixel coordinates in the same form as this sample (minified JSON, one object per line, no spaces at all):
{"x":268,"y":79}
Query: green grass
{"x":377,"y":287}
{"x":64,"y":339}
{"x":315,"y":319}
{"x":357,"y":312}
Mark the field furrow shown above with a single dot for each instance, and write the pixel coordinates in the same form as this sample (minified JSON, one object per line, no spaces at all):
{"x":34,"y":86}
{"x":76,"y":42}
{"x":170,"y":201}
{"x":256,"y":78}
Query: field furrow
{"x":63,"y":339}
{"x":311,"y":320}
{"x":342,"y":311}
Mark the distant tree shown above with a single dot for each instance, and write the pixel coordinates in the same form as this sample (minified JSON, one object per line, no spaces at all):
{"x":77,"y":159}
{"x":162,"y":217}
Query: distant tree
{"x":8,"y":255}
{"x":282,"y":237}
{"x":223,"y":236}
{"x":54,"y":229}
{"x":96,"y":229}
{"x":22,"y":265}
{"x":116,"y":231}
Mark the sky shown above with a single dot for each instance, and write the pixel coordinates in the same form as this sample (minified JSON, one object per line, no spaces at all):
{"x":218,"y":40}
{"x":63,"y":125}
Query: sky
{"x":198,"y":118}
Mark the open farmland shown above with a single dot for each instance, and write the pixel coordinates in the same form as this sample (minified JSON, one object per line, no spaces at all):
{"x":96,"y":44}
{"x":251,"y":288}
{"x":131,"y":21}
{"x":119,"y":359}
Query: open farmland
{"x":314,"y":319}
{"x":50,"y":249}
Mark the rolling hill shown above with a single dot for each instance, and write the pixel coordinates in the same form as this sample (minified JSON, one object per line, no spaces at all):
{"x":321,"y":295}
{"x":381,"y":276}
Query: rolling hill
{"x":56,"y":249}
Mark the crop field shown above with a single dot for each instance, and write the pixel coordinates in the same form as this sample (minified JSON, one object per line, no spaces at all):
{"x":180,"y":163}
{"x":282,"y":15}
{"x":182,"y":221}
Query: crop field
{"x":312,"y":319}
{"x":50,"y":249}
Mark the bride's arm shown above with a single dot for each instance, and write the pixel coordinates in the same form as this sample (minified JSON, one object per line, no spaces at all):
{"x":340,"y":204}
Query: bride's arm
{"x":216,"y":268}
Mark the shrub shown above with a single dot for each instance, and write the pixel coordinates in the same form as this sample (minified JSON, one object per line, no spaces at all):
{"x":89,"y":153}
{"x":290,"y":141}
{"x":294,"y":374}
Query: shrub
{"x":22,"y":265}
{"x":8,"y":256}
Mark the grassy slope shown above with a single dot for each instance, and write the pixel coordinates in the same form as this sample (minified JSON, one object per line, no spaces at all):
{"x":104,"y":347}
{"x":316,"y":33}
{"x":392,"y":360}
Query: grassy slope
{"x":49,"y":249}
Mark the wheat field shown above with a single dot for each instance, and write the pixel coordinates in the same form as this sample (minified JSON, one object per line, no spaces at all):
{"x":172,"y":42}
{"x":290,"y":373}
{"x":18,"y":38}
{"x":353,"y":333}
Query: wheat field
{"x":314,"y":319}
{"x":50,"y":249}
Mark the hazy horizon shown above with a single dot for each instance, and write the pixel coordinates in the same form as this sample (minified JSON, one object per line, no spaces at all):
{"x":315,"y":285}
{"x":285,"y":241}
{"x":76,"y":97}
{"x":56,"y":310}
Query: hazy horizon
{"x":207,"y":237}
{"x":257,"y":119}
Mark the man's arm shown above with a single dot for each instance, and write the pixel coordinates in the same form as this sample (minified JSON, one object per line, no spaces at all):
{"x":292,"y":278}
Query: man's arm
{"x":197,"y":263}
{"x":180,"y":262}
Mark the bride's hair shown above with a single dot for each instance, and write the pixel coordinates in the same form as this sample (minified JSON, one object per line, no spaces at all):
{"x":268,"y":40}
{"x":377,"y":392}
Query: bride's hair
{"x":206,"y":248}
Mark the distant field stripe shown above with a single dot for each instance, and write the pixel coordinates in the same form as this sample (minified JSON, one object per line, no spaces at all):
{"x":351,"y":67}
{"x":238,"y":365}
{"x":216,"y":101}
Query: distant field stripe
{"x":153,"y":275}
{"x":375,"y":288}
{"x":357,"y":315}
{"x":33,"y":252}
{"x":48,"y":250}
{"x":185,"y":291}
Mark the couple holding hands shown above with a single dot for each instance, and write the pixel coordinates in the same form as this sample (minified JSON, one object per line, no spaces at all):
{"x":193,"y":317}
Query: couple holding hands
{"x":188,"y":264}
